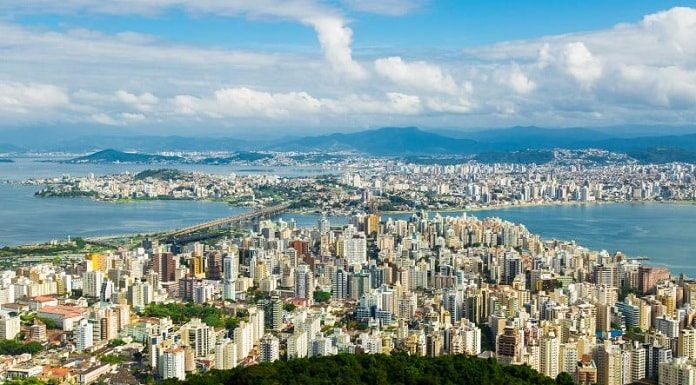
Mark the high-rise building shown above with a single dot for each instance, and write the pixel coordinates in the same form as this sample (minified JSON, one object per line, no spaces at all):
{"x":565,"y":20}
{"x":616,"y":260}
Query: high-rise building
{"x":197,"y":269}
{"x":324,"y":225}
{"x":371,"y":224}
{"x":686,"y":346}
{"x":508,"y":346}
{"x":549,"y":349}
{"x":225,"y":354}
{"x":214,"y":266}
{"x":9,"y":326}
{"x":339,"y":284}
{"x":171,"y":364}
{"x":586,"y":372}
{"x":164,"y":265}
{"x":304,"y":282}
{"x":609,"y":364}
{"x":270,"y":348}
{"x":354,"y":249}
{"x":84,"y":336}
{"x":196,"y":334}
{"x":677,"y":371}
{"x":649,"y":276}
{"x":297,"y":345}
{"x":37,"y":331}
{"x":230,"y":272}
{"x":92,"y":283}
{"x":273,"y":312}
{"x":638,"y":362}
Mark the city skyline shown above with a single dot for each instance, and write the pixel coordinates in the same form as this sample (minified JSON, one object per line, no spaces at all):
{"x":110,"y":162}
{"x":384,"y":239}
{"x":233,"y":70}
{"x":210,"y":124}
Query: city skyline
{"x":312,"y":67}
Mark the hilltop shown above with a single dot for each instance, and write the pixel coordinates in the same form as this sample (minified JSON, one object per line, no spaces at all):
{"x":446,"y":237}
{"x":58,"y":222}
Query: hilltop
{"x":378,"y":369}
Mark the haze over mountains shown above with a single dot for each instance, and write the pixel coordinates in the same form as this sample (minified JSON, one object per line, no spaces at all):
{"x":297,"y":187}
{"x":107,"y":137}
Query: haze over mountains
{"x":388,"y":141}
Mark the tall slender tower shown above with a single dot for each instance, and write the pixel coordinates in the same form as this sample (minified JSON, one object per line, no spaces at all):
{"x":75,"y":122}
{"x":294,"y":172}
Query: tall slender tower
{"x":229,"y":276}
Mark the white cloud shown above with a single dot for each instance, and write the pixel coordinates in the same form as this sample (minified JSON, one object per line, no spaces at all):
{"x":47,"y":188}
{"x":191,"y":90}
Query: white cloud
{"x":334,"y":36}
{"x":246,"y":102}
{"x":104,"y":119}
{"x":518,"y":81}
{"x":24,"y":98}
{"x":418,"y":75}
{"x":579,"y":62}
{"x":640,"y":72}
{"x":667,"y":87}
{"x":143,"y":102}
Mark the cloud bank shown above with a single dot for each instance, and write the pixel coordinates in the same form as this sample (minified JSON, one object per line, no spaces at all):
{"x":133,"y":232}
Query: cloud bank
{"x":640,"y":72}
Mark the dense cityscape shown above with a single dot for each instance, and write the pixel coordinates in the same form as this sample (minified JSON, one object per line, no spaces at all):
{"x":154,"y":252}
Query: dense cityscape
{"x":427,"y":286}
{"x":395,"y":185}
{"x":347,"y":192}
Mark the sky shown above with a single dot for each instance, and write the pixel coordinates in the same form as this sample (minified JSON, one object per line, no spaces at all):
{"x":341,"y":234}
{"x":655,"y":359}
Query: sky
{"x":280,"y":67}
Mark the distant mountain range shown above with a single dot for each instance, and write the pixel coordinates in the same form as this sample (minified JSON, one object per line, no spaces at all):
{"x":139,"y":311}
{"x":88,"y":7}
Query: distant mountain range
{"x":388,"y":141}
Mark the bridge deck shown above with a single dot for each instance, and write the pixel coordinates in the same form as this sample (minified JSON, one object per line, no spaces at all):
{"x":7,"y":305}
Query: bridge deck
{"x":254,"y":214}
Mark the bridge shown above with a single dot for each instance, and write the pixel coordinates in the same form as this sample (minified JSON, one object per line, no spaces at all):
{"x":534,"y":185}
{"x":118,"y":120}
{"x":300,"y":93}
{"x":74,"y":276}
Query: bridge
{"x":262,"y":213}
{"x":194,"y":232}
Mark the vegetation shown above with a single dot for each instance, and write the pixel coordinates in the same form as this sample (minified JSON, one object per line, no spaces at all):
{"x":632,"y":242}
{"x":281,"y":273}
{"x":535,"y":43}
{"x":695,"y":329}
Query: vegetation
{"x":322,"y":296}
{"x":183,"y":312}
{"x":76,"y":246}
{"x":625,"y":291}
{"x":161,"y":174}
{"x":111,"y":359}
{"x":358,"y":369}
{"x":116,"y":342}
{"x":14,"y":347}
{"x":114,"y":156}
{"x":74,"y":192}
{"x":663,"y":155}
{"x":50,"y":324}
{"x":24,"y":381}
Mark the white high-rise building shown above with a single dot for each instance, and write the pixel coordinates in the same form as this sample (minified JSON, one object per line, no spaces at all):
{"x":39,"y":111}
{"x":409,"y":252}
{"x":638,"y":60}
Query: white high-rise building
{"x":355,"y":249}
{"x":225,"y":354}
{"x":677,"y":371}
{"x":9,"y":326}
{"x":84,"y":336}
{"x":297,"y":345}
{"x":197,"y":335}
{"x":304,"y":282}
{"x":171,"y":364}
{"x":549,"y":354}
{"x":229,"y":278}
{"x":324,"y":225}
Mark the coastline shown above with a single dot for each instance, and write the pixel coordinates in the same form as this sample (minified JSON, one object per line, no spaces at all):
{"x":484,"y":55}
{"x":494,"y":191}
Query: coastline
{"x":512,"y":206}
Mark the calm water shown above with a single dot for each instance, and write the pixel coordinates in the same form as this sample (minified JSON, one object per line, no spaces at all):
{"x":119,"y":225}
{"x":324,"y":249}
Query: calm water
{"x":26,"y":219}
{"x":664,"y":233}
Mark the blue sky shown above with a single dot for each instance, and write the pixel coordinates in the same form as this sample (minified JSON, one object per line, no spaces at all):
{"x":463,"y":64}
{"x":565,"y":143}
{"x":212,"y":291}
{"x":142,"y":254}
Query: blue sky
{"x":448,"y":24}
{"x":311,"y":65}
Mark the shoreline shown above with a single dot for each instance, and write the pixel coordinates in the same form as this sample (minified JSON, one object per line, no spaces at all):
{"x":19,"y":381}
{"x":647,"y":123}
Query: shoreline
{"x":512,"y":206}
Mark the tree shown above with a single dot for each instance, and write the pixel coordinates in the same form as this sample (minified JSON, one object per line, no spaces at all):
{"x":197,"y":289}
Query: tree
{"x":564,"y":378}
{"x":322,"y":296}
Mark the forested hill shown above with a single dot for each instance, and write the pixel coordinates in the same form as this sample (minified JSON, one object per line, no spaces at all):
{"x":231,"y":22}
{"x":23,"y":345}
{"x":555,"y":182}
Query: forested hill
{"x":356,"y":369}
